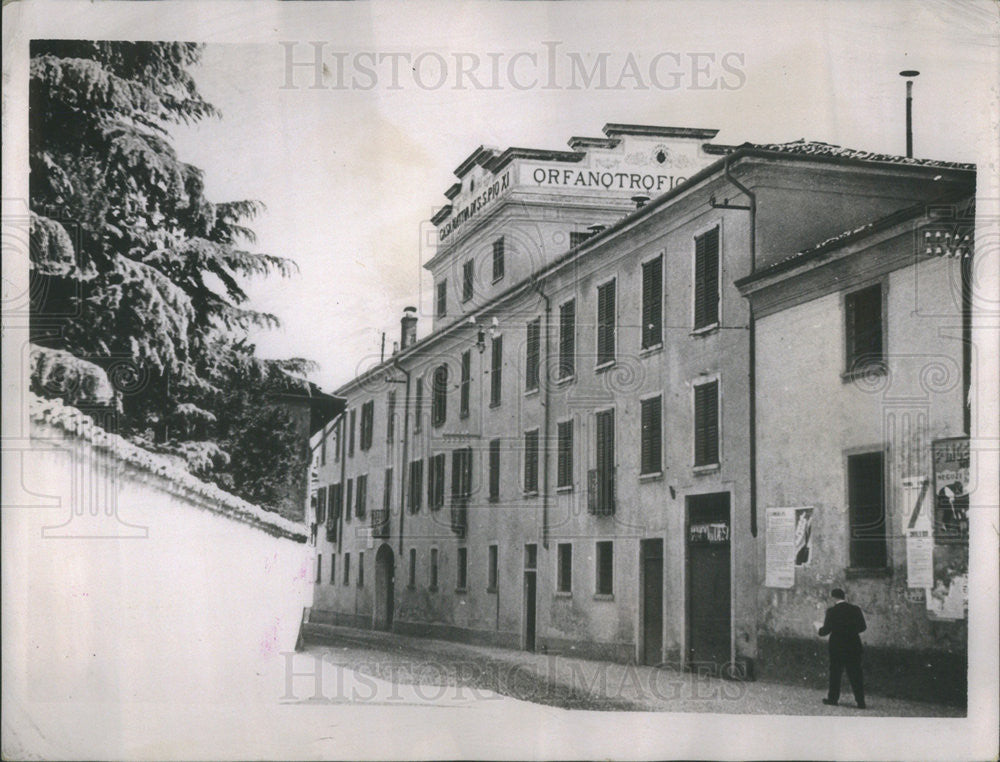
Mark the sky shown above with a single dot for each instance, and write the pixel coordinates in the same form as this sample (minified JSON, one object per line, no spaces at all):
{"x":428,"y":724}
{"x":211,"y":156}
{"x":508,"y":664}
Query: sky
{"x":352,"y":165}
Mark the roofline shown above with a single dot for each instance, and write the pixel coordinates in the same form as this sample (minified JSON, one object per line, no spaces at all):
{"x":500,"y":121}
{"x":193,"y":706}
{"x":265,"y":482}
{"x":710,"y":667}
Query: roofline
{"x":576,"y":141}
{"x":476,"y":157}
{"x":614,"y":128}
{"x":539,"y":154}
{"x":752,"y":149}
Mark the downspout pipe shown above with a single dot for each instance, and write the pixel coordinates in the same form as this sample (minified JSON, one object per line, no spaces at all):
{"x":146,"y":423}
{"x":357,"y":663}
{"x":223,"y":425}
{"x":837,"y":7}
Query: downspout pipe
{"x":342,"y":444}
{"x":545,"y":415}
{"x":406,"y":450}
{"x":752,"y":352}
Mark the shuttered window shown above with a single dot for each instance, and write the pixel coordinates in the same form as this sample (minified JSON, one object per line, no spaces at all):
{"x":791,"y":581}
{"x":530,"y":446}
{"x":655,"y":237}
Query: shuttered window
{"x":362,"y":496}
{"x":461,"y":473}
{"x":601,"y":486}
{"x":605,"y":571}
{"x":863,"y":313}
{"x":494,"y":470}
{"x":418,"y":406}
{"x":564,"y":463}
{"x":435,"y":482}
{"x":441,"y":305}
{"x":347,"y":569}
{"x":652,"y":303}
{"x":531,"y":461}
{"x":866,"y":498}
{"x":335,"y":501}
{"x":463,"y":397}
{"x":411,"y":580}
{"x":532,"y":355}
{"x":706,"y":424}
{"x":350,"y":441}
{"x":434,"y":569}
{"x":349,"y":500}
{"x":492,"y":569}
{"x":367,"y":424}
{"x":361,"y":569}
{"x":706,"y":279}
{"x":567,"y":339}
{"x":652,"y":425}
{"x":439,"y":403}
{"x":468,"y":275}
{"x":496,"y":368}
{"x":390,"y":417}
{"x":498,"y":257}
{"x":387,"y":491}
{"x":462,"y":568}
{"x":416,"y":485}
{"x":333,"y":569}
{"x":606,"y":323}
{"x":319,"y":568}
{"x":564,"y":567}
{"x":321,"y":505}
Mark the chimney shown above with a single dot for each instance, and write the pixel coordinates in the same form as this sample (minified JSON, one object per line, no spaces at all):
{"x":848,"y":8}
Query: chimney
{"x":408,"y":326}
{"x":640,"y":201}
{"x":909,"y":74}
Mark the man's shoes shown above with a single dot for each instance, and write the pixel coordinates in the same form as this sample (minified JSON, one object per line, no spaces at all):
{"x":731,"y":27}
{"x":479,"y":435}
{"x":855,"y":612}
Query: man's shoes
{"x":830,"y":703}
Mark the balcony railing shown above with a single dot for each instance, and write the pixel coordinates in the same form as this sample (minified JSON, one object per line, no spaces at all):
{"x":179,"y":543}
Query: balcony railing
{"x":380,"y":523}
{"x":601,"y":491}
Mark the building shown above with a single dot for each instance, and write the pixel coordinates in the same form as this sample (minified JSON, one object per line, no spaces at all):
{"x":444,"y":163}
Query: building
{"x":569,"y":461}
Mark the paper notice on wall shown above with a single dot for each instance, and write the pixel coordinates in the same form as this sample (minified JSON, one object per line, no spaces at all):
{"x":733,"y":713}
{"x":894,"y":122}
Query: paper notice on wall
{"x":948,"y":595}
{"x":779,"y":538}
{"x":918,"y":507}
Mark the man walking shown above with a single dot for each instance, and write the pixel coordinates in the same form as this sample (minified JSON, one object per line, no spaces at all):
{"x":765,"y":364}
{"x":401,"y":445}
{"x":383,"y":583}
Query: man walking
{"x":844,"y":622}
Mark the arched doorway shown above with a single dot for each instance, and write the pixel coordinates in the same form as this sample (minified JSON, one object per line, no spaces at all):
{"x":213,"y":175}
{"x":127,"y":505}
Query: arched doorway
{"x":385,"y":572}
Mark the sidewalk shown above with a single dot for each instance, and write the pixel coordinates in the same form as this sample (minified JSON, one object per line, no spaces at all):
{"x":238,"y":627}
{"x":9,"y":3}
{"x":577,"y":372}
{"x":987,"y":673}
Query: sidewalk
{"x":568,"y":682}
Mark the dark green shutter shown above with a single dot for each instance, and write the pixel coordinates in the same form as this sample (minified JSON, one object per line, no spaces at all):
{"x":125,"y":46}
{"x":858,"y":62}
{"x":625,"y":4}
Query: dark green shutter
{"x":652,"y":302}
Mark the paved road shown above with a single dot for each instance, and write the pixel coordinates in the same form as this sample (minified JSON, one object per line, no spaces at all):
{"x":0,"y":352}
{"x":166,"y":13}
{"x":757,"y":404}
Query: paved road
{"x":435,"y":669}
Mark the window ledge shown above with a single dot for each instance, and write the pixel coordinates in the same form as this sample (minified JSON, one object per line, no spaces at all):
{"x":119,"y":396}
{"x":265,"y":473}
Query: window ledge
{"x":530,"y":493}
{"x":605,"y":366}
{"x":651,"y":350}
{"x":710,"y":468}
{"x":651,"y":477}
{"x":492,"y":590}
{"x":463,"y":416}
{"x":461,"y":590}
{"x":432,"y":588}
{"x":564,"y":489}
{"x":497,"y":279}
{"x":562,"y":594}
{"x":531,"y":392}
{"x":492,"y":499}
{"x":875,"y":368}
{"x":705,"y":330}
{"x":565,"y":379}
{"x":494,"y":404}
{"x":604,"y":596}
{"x":859,"y":572}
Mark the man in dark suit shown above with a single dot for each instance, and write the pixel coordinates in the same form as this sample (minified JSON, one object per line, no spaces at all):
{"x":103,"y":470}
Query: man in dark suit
{"x":844,"y":622}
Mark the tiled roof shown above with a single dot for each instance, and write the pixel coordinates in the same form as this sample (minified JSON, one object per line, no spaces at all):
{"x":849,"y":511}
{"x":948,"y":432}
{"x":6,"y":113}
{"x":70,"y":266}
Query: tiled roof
{"x":819,"y":148}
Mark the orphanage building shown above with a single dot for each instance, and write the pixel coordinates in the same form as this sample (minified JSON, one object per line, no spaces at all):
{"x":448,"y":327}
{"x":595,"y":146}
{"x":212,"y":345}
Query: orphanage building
{"x":674,"y":391}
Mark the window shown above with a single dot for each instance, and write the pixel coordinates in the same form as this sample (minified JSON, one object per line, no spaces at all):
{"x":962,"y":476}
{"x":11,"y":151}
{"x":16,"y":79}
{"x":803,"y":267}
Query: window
{"x":350,"y":443}
{"x":564,"y":462}
{"x":416,"y":485}
{"x":461,"y":474}
{"x":863,"y":314}
{"x":564,"y":567}
{"x":347,"y":569}
{"x":362,"y":496}
{"x":441,"y":303}
{"x":498,"y":263}
{"x":531,"y":461}
{"x":492,"y":572}
{"x":605,"y":568}
{"x":434,"y":569}
{"x":435,"y":482}
{"x":577,"y":238}
{"x":338,"y":439}
{"x":333,"y":569}
{"x":439,"y":404}
{"x":494,"y":479}
{"x":349,"y":500}
{"x":567,"y":339}
{"x":706,"y":424}
{"x":606,"y":323}
{"x":495,"y":369}
{"x":412,"y":578}
{"x":652,"y":303}
{"x":367,"y":424}
{"x":418,"y":406}
{"x":321,"y":505}
{"x":322,"y":450}
{"x":390,"y":417}
{"x":601,"y":481}
{"x":531,"y":355}
{"x":463,"y":404}
{"x":319,"y":568}
{"x":462,"y":567}
{"x":387,"y":492}
{"x":361,"y":569}
{"x":468,"y":275}
{"x":336,"y":499}
{"x":706,"y":279}
{"x":866,"y":497}
{"x":650,"y":458}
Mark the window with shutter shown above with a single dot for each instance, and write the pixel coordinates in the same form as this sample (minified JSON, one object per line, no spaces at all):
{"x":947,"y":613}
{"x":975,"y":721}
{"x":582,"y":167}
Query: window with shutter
{"x":362,"y":496}
{"x":602,"y":497}
{"x":467,"y":280}
{"x":652,"y":303}
{"x":651,"y":446}
{"x":532,"y":355}
{"x":706,"y":279}
{"x":564,"y":567}
{"x":605,"y":568}
{"x":567,"y":339}
{"x":418,"y":406}
{"x":463,"y":402}
{"x":347,"y":569}
{"x":387,"y":491}
{"x":416,"y":485}
{"x":866,"y":498}
{"x":434,"y":569}
{"x":498,"y":259}
{"x":706,"y":424}
{"x":321,"y":505}
{"x":863,"y":330}
{"x":441,"y":307}
{"x":390,"y":417}
{"x":361,"y":569}
{"x":411,"y":581}
{"x":496,"y":367}
{"x":439,"y":405}
{"x":350,"y":441}
{"x":492,"y":569}
{"x":462,"y":566}
{"x":349,"y":500}
{"x":564,"y":463}
{"x":494,"y":470}
{"x":319,"y":568}
{"x":531,"y":461}
{"x":606,"y":323}
{"x":333,"y":569}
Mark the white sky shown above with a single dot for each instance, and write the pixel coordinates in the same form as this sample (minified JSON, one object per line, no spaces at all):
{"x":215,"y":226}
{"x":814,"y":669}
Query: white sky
{"x":350,"y":176}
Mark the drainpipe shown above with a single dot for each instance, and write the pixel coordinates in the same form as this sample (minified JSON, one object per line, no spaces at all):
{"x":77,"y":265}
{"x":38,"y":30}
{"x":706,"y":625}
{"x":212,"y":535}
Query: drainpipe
{"x":342,"y":443}
{"x":546,"y":416}
{"x":404,"y":465}
{"x":752,"y":353}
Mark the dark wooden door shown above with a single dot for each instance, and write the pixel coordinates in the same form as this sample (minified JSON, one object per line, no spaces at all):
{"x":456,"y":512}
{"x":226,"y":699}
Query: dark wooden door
{"x":708,"y":583}
{"x":652,"y":601}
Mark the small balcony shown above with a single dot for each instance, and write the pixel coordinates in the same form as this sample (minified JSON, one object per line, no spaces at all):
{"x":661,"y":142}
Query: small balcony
{"x":380,"y":523}
{"x":601,"y":491}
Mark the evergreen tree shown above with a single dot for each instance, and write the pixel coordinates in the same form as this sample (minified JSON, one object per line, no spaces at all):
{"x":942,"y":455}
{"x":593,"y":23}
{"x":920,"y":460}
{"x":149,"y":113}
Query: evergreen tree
{"x":136,"y":276}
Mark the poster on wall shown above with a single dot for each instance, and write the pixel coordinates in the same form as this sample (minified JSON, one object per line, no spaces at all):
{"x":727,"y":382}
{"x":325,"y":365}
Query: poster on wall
{"x":918,"y":507}
{"x":948,"y":597}
{"x":779,"y":550}
{"x":803,"y":536}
